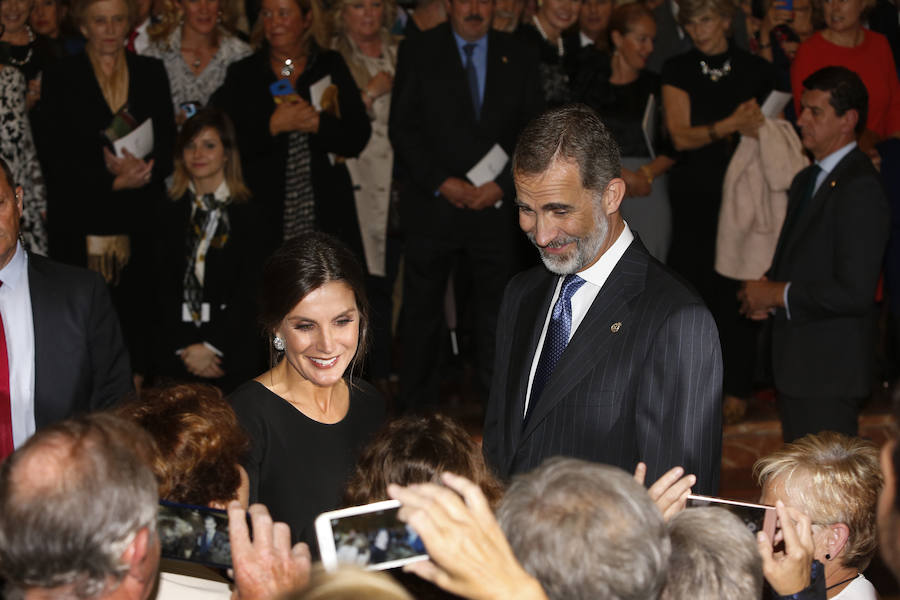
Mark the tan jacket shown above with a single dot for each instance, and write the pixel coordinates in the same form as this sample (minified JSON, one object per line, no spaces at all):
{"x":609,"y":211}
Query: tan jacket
{"x":754,"y":199}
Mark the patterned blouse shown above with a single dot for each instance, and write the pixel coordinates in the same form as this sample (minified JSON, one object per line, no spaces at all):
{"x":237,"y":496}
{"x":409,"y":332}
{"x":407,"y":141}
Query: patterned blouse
{"x":17,"y":149}
{"x":187,"y":87}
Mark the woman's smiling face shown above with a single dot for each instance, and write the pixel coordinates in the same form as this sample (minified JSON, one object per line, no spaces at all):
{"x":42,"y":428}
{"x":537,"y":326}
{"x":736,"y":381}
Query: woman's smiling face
{"x":321,"y":333}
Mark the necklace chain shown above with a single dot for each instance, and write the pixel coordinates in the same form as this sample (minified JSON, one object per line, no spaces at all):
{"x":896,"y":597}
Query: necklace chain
{"x":27,"y":58}
{"x":716,"y":74}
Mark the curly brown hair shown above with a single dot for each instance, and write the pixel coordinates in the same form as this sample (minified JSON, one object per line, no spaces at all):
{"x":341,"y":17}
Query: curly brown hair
{"x":199,"y":441}
{"x":417,"y":449}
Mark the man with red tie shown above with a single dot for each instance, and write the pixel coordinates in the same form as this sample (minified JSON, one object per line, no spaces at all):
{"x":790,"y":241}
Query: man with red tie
{"x":61,"y":347}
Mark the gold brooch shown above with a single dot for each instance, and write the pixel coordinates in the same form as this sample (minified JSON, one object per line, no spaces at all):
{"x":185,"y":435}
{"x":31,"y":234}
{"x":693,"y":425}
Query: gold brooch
{"x":615,"y":327}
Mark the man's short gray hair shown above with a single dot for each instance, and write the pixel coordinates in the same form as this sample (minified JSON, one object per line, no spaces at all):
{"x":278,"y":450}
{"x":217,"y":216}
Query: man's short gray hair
{"x":714,"y":556}
{"x":71,"y":500}
{"x":586,"y":531}
{"x":570,"y":133}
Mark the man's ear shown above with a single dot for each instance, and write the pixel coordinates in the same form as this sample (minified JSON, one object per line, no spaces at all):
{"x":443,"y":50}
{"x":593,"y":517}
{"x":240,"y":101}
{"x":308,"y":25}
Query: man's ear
{"x":138,"y":551}
{"x":20,"y":194}
{"x":613,"y":195}
{"x":848,"y":122}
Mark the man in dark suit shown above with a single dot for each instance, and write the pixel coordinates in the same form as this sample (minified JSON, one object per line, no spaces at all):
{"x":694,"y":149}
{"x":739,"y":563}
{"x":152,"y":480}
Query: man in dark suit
{"x":461,"y":91}
{"x":61,"y":348}
{"x":604,"y":354}
{"x":821,"y":285}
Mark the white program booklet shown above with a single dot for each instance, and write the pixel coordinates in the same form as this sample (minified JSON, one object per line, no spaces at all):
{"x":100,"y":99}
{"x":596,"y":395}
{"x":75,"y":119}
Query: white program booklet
{"x":139,"y":142}
{"x":775,"y":103}
{"x":488,"y":168}
{"x":316,"y":91}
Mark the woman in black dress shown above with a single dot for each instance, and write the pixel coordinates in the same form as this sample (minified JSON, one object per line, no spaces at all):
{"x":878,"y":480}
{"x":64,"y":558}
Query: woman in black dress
{"x":308,"y":417}
{"x":711,"y":96}
{"x":291,"y":149}
{"x":622,"y":101}
{"x":207,"y":261}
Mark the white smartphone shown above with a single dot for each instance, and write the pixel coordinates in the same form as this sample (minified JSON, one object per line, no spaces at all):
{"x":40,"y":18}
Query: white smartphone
{"x":757,"y":517}
{"x":369,"y":536}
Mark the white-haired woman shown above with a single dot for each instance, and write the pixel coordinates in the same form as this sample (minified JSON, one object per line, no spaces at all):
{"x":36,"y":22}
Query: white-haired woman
{"x":835,"y":480}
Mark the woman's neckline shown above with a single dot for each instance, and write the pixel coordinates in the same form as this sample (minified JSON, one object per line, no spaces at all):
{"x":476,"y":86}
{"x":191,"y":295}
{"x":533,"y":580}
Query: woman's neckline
{"x":288,"y":404}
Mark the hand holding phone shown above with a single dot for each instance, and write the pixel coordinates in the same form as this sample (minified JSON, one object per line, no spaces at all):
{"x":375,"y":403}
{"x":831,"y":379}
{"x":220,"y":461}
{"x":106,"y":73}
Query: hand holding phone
{"x":469,"y":555}
{"x":266,"y":566}
{"x":788,"y":572}
{"x":369,"y":536}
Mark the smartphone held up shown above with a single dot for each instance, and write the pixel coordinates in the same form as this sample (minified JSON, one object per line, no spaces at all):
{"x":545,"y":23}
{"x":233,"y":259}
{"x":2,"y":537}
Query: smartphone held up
{"x":369,"y":536}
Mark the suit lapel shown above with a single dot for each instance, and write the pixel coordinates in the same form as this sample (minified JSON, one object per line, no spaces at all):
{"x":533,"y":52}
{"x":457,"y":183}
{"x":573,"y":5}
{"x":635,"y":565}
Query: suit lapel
{"x":794,"y":202}
{"x":495,"y":76}
{"x":815,"y":205}
{"x":529,"y":324}
{"x":594,"y":337}
{"x":40,"y":294}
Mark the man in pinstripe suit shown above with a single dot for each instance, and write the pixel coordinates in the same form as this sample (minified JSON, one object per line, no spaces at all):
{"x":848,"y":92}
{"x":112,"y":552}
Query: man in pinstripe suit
{"x":631,"y":369}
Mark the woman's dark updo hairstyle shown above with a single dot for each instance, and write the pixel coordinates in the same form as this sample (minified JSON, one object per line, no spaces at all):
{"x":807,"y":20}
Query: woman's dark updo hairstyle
{"x":302,"y":265}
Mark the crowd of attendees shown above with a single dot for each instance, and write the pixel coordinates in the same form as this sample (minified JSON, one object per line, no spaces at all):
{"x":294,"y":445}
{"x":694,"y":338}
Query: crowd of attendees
{"x":235,"y":172}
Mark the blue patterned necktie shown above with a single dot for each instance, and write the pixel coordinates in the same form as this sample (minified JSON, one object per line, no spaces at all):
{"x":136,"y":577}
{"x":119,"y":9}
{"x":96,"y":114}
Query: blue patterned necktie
{"x":472,"y":76}
{"x":557,"y":337}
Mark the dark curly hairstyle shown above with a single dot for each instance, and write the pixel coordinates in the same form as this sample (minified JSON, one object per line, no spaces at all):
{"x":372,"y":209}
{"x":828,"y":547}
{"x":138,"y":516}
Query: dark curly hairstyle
{"x":417,"y":449}
{"x":199,"y":441}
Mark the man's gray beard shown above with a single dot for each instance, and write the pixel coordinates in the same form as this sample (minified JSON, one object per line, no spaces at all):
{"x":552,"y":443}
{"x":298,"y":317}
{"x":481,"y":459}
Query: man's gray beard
{"x":586,"y":248}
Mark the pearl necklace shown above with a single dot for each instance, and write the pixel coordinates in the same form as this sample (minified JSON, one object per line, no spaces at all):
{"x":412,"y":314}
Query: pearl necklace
{"x":27,"y":58}
{"x":716,"y":74}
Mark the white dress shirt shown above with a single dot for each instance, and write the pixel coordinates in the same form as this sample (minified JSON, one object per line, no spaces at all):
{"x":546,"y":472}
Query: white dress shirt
{"x":594,"y":276}
{"x":18,"y":326}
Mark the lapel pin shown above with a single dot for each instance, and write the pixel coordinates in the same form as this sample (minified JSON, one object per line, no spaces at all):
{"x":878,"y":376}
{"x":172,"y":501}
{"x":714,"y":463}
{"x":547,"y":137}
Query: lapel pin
{"x":615,"y":327}
{"x":504,"y":59}
{"x":833,"y":183}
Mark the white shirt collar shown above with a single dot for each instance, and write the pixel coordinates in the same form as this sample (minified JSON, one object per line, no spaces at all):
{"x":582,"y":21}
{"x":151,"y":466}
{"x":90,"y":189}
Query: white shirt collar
{"x":585,"y":40}
{"x":598,"y":272}
{"x":828,"y":163}
{"x":12,"y":274}
{"x":221,"y":194}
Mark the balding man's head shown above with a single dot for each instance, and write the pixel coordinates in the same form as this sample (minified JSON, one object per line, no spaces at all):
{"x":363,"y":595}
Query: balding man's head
{"x":78,"y":509}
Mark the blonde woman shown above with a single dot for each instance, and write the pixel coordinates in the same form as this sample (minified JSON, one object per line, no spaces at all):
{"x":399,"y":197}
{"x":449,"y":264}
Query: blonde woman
{"x":207,"y":261}
{"x":362,"y":37}
{"x":835,"y":480}
{"x":196,"y":41}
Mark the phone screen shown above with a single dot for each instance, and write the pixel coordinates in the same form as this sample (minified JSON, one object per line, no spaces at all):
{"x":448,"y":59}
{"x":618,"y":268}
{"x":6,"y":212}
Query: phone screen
{"x":369,"y":536}
{"x":194,"y":533}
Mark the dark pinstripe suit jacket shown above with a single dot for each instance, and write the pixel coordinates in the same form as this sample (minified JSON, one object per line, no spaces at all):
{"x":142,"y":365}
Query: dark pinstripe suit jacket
{"x":651,"y":391}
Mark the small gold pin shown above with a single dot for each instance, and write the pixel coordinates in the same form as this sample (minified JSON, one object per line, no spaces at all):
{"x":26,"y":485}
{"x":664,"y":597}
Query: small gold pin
{"x":615,"y":327}
{"x":504,"y":59}
{"x":833,"y":183}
